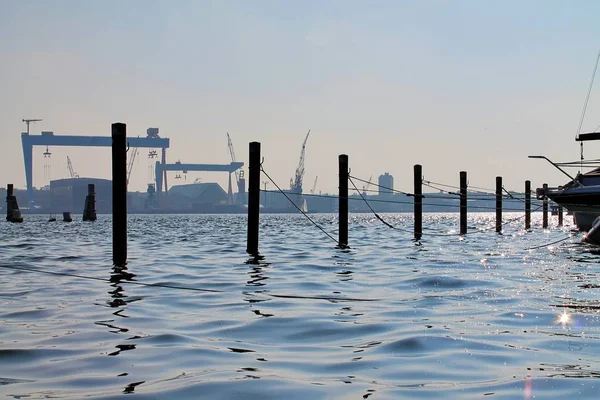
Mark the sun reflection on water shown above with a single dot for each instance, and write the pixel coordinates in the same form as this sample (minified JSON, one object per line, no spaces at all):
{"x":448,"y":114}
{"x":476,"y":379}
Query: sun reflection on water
{"x":564,"y":318}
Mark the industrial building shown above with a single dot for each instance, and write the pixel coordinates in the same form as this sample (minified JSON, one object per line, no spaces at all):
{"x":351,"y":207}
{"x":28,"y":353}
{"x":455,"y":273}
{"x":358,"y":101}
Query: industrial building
{"x":386,"y":184}
{"x":197,"y":197}
{"x":69,"y":194}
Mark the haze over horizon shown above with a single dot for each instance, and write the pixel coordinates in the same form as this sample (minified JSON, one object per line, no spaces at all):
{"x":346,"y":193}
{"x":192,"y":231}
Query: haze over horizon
{"x":461,"y":85}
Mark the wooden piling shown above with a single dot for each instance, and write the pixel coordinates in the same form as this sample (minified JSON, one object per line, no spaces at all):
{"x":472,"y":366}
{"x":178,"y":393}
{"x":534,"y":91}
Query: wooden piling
{"x":89,"y":210}
{"x":13,"y":214}
{"x":119,"y":193}
{"x":545,"y":208}
{"x":418,"y":201}
{"x":463,"y":202}
{"x":527,"y":205}
{"x":343,"y":200}
{"x":560,"y":215}
{"x":499,"y":204}
{"x":253,"y":198}
{"x":9,"y":196}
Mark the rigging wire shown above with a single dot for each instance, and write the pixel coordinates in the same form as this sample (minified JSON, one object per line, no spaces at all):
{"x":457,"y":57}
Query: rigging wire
{"x":585,"y":104}
{"x":587,"y":98}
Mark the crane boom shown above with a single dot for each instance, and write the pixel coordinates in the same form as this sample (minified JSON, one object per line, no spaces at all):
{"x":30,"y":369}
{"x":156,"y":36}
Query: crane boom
{"x":368,"y":185}
{"x":71,"y":170}
{"x":232,"y":153}
{"x":30,"y":120}
{"x":312,"y":191}
{"x":130,"y":163}
{"x":296,"y":184}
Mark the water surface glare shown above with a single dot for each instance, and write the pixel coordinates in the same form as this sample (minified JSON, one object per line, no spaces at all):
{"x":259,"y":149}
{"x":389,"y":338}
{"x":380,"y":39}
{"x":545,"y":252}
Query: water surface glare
{"x":192,"y":316}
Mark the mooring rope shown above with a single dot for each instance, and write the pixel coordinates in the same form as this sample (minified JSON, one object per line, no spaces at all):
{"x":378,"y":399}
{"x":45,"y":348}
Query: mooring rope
{"x":110,"y":280}
{"x":368,"y":205}
{"x":434,"y":234}
{"x":425,"y":203}
{"x":286,"y":296}
{"x":380,"y":186}
{"x":298,"y":208}
{"x":549,"y":244}
{"x":508,"y":196}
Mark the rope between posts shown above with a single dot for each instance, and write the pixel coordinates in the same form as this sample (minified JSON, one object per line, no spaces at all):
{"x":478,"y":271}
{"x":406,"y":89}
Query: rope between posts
{"x":368,"y":205}
{"x":432,"y":234}
{"x":548,"y":244}
{"x":381,"y":219}
{"x":285,"y":296}
{"x":380,"y":186}
{"x":296,"y":206}
{"x":508,"y":196}
{"x":404,"y":202}
{"x":111,"y":280}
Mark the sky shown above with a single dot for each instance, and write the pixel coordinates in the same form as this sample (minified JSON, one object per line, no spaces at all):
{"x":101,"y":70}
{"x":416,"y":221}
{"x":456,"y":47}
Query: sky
{"x":462,"y":85}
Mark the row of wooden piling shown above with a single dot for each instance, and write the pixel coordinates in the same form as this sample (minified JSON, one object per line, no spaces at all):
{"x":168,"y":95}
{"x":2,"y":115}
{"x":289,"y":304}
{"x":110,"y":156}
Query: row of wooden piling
{"x":254,"y":193}
{"x":13,"y":213}
{"x":119,"y":199}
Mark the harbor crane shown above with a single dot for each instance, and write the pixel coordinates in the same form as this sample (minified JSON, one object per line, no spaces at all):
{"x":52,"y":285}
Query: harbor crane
{"x":239,"y":175}
{"x":30,"y":120}
{"x":366,"y":187}
{"x":312,"y":191}
{"x":71,"y":170}
{"x":296,"y":182}
{"x":130,"y":162}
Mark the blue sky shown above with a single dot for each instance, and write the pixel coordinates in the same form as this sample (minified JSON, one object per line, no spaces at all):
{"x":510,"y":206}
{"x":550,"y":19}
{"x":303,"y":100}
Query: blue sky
{"x":452,"y":85}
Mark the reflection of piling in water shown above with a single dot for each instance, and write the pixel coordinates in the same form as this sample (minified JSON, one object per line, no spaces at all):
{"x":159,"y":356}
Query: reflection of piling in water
{"x":560,"y":215}
{"x":89,"y":210}
{"x":343,"y":200}
{"x":13,"y":214}
{"x":119,"y":193}
{"x":558,"y":211}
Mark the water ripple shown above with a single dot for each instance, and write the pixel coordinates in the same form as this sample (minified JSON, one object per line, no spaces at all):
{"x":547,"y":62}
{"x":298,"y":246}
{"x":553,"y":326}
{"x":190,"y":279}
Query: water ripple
{"x":445,"y":317}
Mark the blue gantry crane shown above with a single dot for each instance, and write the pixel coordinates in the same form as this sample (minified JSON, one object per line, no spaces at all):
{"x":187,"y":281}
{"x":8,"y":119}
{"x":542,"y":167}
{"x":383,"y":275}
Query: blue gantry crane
{"x":152,"y":140}
{"x":161,"y":168}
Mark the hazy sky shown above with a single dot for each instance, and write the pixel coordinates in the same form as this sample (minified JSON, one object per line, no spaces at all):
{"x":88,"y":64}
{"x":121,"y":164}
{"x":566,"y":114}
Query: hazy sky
{"x":452,"y":85}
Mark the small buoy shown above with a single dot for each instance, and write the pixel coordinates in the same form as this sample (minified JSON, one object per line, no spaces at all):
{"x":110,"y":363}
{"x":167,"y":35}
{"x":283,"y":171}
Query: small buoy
{"x":67,"y":217}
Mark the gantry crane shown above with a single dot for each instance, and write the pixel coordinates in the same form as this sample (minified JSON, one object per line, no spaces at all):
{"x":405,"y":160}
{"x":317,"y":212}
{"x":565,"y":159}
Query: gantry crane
{"x":296,"y":182}
{"x":71,"y":170}
{"x":50,"y":139}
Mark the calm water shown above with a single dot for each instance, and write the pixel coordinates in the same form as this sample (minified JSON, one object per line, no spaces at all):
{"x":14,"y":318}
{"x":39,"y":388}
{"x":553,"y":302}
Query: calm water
{"x":449,"y":318}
